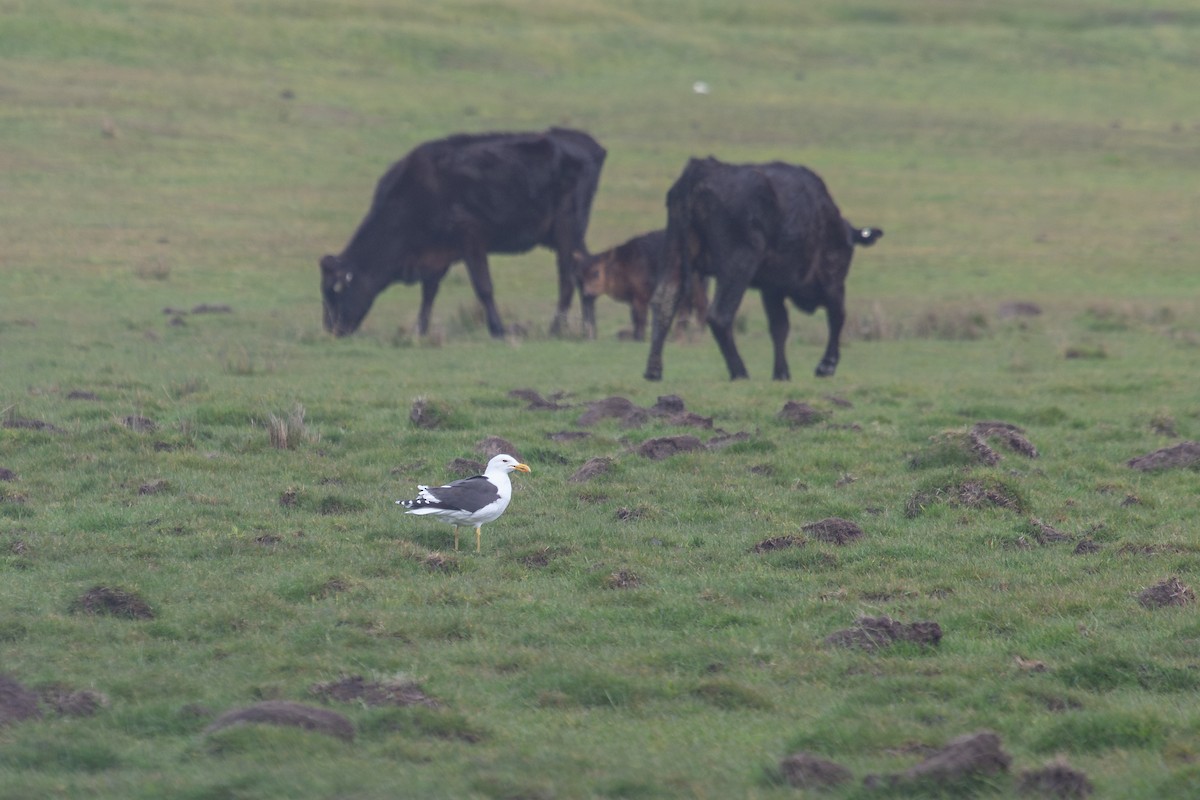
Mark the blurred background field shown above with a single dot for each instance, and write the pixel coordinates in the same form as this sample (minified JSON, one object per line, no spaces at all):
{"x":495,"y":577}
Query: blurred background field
{"x":157,"y":157}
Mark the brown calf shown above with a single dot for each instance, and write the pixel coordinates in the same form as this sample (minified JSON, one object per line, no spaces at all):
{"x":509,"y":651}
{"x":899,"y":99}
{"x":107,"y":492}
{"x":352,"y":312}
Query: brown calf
{"x":628,"y":272}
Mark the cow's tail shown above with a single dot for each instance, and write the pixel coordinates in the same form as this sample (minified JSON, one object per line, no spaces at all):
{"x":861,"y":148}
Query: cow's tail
{"x":864,"y":237}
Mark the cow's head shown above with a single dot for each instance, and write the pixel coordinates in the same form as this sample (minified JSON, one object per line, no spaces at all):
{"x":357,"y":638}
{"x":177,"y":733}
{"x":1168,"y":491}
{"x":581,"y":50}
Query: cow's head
{"x":346,"y":297}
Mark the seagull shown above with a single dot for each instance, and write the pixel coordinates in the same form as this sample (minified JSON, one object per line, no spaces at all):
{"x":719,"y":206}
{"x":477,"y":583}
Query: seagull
{"x":469,"y":501}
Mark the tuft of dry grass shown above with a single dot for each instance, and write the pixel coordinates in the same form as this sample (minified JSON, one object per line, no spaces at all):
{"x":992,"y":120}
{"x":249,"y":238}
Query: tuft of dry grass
{"x":288,"y":431}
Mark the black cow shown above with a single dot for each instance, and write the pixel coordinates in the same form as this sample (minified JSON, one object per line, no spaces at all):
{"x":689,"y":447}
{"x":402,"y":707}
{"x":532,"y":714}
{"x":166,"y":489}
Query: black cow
{"x":458,"y":199}
{"x":772,"y":227}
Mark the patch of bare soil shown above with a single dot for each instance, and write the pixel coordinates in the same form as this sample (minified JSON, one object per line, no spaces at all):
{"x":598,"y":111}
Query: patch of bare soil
{"x":465,"y":466}
{"x":268,"y":539}
{"x":1009,"y":435}
{"x":139,"y":424}
{"x":1086,"y":547}
{"x":72,"y":703}
{"x":563,"y":437}
{"x":592,"y":468}
{"x":622,"y":579}
{"x":969,"y":493}
{"x":839,"y":401}
{"x":7,"y":474}
{"x":374,"y":693}
{"x":629,"y":514}
{"x":807,"y":771}
{"x":285,"y":712}
{"x":537,"y":402}
{"x":958,"y":764}
{"x":23,"y":423}
{"x":153,"y":487}
{"x":16,"y":702}
{"x":288,"y":498}
{"x":495,"y":445}
{"x":778,"y":543}
{"x":671,"y":407}
{"x":1184,"y":454}
{"x":834,"y":530}
{"x":798,"y":414}
{"x":667,"y":446}
{"x":1055,"y":780}
{"x":113,"y":602}
{"x":874,"y":633}
{"x":79,"y":394}
{"x":212,"y":308}
{"x":1170,"y":592}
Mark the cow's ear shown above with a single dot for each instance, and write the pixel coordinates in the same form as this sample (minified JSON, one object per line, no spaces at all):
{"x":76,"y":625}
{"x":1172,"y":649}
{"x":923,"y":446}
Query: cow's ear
{"x":329,"y":264}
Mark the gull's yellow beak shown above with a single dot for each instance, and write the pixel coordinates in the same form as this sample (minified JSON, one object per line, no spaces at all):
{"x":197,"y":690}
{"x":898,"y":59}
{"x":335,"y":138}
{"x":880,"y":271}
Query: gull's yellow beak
{"x":522,"y":467}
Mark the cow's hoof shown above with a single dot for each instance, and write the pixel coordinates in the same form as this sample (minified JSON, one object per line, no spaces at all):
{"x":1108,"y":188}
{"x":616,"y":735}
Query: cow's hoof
{"x":825,"y":370}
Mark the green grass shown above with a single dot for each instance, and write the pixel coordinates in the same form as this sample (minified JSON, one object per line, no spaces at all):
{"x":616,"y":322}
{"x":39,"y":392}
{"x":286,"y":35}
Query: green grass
{"x":616,"y":638}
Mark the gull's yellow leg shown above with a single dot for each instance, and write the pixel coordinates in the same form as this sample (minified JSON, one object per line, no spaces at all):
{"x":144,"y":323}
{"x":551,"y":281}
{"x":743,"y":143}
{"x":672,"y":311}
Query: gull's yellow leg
{"x":455,"y":537}
{"x":478,"y":537}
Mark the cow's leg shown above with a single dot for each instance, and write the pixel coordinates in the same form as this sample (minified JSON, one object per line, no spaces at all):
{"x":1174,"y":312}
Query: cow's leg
{"x":637,"y":314}
{"x":481,"y":281}
{"x":570,"y":278}
{"x":721,"y":312}
{"x":664,"y":304}
{"x":429,"y":290}
{"x":777,"y":322}
{"x":835,"y":314}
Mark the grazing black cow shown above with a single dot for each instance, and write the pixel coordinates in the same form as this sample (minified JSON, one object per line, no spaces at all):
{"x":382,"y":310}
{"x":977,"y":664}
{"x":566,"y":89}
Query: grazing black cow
{"x":460,"y":198}
{"x":627,"y":272}
{"x":772,"y":227}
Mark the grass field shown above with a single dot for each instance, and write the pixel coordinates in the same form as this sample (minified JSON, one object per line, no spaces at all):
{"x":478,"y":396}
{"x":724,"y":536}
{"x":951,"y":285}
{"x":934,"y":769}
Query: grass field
{"x":619,"y":637}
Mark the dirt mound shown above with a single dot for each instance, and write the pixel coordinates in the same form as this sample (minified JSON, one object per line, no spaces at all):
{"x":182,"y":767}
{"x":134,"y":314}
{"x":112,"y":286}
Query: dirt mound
{"x":72,"y":703}
{"x":969,"y":493}
{"x":797,"y":414}
{"x":542,"y":557}
{"x":630,"y":514}
{"x":875,"y":633}
{"x":953,"y":768}
{"x":7,"y":474}
{"x":1009,"y":435}
{"x":620,"y":408}
{"x":284,"y":712}
{"x":1055,"y":780}
{"x":1184,"y":454}
{"x":1168,"y":593}
{"x":592,"y":468}
{"x":807,"y":771}
{"x":667,"y":446}
{"x":30,"y":425}
{"x":834,"y":530}
{"x":1018,"y":308}
{"x":724,"y":439}
{"x":1086,"y":547}
{"x":16,"y":702}
{"x":536,"y":401}
{"x":79,"y":394}
{"x":465,"y":466}
{"x":139,"y":424}
{"x":1047,"y":534}
{"x":778,"y":543}
{"x":113,"y":602}
{"x":374,"y":693}
{"x":622,"y":579}
{"x":154,"y":486}
{"x":495,"y":445}
{"x":568,"y":436}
